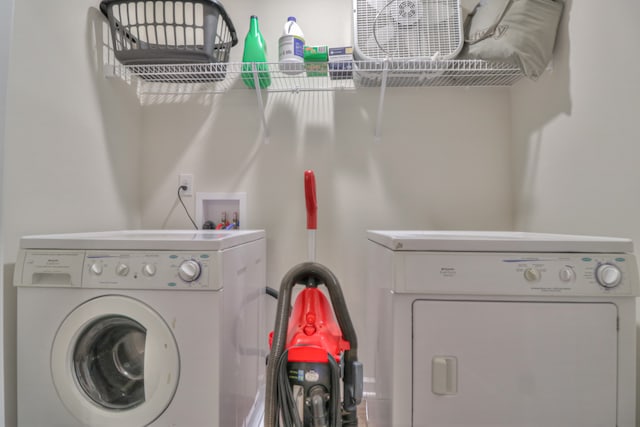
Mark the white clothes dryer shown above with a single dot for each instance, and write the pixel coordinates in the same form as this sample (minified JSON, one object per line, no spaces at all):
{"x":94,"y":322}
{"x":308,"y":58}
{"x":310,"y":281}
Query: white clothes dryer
{"x":140,"y":328}
{"x":501,"y":329}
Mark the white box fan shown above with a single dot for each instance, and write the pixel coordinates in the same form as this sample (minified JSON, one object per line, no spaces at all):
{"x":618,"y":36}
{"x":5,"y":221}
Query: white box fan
{"x":407,"y":29}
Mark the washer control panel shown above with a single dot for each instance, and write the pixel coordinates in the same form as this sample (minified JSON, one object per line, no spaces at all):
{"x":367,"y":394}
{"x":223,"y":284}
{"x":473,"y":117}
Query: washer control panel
{"x":479,"y":273}
{"x":120,"y":270}
{"x":156,"y":270}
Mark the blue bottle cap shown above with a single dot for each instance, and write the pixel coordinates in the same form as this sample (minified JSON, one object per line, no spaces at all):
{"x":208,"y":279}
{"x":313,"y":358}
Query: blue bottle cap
{"x":291,"y":18}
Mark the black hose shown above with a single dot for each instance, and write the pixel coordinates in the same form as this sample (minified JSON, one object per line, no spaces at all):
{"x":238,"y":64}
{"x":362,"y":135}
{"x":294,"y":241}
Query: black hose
{"x":308,"y":272}
{"x":283,"y":309}
{"x":336,"y":418}
{"x":272,"y":292}
{"x":319,"y":415}
{"x":285,"y":397}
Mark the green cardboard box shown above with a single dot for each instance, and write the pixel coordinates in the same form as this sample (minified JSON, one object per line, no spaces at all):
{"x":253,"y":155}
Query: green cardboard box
{"x":316,"y":59}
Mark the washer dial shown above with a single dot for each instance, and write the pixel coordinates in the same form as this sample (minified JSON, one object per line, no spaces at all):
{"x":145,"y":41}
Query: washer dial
{"x":149,"y":270}
{"x":96,"y":269}
{"x":532,"y":275}
{"x":189,"y":270}
{"x":122,"y":269}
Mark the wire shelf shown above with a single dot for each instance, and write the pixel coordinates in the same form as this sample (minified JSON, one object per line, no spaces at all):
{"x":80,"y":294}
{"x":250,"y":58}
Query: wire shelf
{"x":222,"y":77}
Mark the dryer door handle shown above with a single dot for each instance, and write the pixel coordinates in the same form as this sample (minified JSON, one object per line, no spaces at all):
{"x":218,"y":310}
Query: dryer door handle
{"x":444,"y":375}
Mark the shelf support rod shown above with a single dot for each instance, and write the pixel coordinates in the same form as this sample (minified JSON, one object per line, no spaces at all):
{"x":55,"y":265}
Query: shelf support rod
{"x":263,"y":116}
{"x":383,"y":88}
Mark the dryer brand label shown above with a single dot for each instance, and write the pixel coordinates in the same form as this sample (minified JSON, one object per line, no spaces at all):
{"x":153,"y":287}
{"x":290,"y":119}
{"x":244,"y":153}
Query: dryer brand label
{"x":551,"y":289}
{"x":447,"y":271}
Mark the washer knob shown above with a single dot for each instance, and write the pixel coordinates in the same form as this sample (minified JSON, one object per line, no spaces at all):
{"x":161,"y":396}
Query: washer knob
{"x":122,"y":269}
{"x":149,"y":270}
{"x":96,"y":269}
{"x":531,"y":275}
{"x":189,"y":270}
{"x":608,"y":275}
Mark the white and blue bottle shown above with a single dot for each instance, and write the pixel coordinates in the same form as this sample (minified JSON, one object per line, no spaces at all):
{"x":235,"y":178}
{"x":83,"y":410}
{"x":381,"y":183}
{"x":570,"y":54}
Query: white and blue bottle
{"x":291,"y":48}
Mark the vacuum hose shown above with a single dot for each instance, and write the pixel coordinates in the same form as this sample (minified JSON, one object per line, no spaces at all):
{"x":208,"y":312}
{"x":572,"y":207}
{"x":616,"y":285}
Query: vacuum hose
{"x":304,"y":273}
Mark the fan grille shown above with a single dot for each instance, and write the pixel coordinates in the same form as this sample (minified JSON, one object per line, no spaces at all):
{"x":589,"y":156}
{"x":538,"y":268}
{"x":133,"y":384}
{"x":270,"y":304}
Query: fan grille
{"x":407,"y":29}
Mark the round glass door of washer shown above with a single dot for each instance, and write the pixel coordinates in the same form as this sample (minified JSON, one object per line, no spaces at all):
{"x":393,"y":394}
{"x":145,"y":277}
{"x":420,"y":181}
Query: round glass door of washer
{"x":114,"y":361}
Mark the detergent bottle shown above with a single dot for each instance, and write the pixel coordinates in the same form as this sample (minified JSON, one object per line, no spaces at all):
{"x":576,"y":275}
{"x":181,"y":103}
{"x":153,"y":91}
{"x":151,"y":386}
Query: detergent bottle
{"x":255,"y":55}
{"x":291,"y":48}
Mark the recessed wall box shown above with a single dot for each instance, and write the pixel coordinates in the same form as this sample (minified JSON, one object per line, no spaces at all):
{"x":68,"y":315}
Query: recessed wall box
{"x":219,"y":207}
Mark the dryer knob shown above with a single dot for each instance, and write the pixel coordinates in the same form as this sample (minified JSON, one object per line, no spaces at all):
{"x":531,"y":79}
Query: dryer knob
{"x":608,"y":275}
{"x":149,"y":270}
{"x":96,"y":269}
{"x":189,"y":270}
{"x":567,"y":274}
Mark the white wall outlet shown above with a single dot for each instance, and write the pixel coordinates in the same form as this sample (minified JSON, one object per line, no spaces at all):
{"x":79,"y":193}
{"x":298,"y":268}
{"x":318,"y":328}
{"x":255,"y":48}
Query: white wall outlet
{"x":186,"y":179}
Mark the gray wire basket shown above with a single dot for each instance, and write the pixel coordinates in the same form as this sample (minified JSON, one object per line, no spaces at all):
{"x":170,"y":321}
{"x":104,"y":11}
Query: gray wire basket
{"x":170,"y":32}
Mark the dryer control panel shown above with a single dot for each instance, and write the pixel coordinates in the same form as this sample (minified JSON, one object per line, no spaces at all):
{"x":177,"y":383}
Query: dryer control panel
{"x":119,"y":270}
{"x":476,"y":273}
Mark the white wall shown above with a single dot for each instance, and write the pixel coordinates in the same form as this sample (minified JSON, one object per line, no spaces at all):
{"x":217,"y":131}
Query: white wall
{"x":71,"y":160}
{"x":443,"y":162}
{"x":6,"y":21}
{"x":72,"y":148}
{"x":576,"y":133}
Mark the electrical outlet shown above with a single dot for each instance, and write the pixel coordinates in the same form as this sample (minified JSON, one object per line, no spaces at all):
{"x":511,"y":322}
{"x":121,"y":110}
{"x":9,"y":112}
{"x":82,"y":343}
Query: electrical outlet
{"x":186,"y":179}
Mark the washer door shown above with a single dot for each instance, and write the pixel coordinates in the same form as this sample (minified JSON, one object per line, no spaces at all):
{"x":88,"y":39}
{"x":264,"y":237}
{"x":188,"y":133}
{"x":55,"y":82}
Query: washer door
{"x":115,"y":361}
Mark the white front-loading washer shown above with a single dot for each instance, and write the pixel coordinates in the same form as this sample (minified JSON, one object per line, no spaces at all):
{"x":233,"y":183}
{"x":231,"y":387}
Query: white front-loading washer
{"x":501,"y":329}
{"x":138,"y":328}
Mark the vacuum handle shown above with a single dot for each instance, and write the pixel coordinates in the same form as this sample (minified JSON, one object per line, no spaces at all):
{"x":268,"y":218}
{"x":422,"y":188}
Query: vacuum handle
{"x":310,"y":197}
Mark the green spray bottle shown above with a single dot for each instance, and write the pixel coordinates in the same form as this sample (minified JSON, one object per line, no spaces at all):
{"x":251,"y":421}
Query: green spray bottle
{"x":255,"y":52}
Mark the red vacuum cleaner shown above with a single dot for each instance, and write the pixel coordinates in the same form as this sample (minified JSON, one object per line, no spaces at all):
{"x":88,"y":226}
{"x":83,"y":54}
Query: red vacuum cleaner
{"x":313,"y":351}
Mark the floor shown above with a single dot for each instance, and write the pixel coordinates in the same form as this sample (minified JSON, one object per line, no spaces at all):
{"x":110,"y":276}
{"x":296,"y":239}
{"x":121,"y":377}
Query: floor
{"x":362,"y":414}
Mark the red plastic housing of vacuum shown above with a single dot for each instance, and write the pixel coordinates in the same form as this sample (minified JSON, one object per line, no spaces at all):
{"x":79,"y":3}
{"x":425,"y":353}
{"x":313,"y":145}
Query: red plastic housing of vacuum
{"x":313,"y":331}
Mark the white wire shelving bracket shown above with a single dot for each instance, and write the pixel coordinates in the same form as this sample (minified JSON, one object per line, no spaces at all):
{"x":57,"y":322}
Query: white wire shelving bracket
{"x":383,"y":90}
{"x":256,"y":76}
{"x":217,"y":78}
